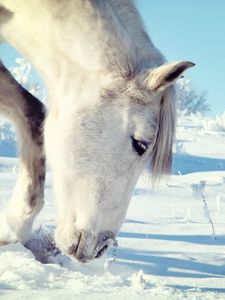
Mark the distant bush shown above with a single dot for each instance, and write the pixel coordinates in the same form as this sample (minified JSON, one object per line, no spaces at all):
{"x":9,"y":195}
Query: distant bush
{"x":202,"y":123}
{"x":215,"y":124}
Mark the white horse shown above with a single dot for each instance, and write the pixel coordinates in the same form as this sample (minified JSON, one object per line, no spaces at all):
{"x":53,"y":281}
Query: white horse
{"x":112,"y":107}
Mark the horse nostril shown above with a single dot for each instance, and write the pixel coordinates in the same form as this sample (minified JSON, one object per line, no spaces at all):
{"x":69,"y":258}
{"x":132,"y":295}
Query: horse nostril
{"x":102,"y":251}
{"x":106,"y":239}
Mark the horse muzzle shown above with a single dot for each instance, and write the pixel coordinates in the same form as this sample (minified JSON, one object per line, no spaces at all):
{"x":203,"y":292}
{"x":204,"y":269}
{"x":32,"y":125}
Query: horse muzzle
{"x":90,"y":246}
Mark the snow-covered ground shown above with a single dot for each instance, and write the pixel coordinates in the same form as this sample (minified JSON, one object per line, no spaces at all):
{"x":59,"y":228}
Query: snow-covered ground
{"x":167,"y":249}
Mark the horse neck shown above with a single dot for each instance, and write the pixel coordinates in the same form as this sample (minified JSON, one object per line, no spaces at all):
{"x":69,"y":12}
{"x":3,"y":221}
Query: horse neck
{"x":63,"y":38}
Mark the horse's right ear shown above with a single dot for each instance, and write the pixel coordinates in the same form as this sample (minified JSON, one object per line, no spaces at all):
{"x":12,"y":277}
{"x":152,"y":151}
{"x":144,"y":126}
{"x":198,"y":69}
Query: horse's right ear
{"x":160,"y":78}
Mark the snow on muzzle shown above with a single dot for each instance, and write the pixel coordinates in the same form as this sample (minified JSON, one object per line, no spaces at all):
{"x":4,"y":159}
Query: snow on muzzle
{"x":90,"y":246}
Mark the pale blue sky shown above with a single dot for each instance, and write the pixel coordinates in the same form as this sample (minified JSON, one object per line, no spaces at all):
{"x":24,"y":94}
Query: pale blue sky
{"x":190,"y":30}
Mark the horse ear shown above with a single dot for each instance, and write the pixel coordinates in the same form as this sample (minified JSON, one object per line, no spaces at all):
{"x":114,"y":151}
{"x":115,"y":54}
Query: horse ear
{"x":161,"y":77}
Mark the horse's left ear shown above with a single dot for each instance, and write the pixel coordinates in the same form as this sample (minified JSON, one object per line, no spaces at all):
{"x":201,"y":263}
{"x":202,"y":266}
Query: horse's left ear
{"x":160,"y":78}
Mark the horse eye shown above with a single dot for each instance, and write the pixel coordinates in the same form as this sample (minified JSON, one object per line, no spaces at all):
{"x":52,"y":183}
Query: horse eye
{"x":139,"y":146}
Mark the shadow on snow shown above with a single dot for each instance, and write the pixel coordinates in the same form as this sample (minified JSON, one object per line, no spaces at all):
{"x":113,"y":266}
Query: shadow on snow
{"x":154,"y":263}
{"x":195,"y":239}
{"x":186,"y":163}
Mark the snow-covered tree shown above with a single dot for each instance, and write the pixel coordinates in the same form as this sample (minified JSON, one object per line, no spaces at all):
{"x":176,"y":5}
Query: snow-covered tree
{"x":23,"y":73}
{"x":190,"y":101}
{"x":8,"y":146}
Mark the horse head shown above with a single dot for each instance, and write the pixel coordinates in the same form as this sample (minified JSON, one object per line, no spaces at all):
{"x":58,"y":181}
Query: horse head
{"x":98,"y":150}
